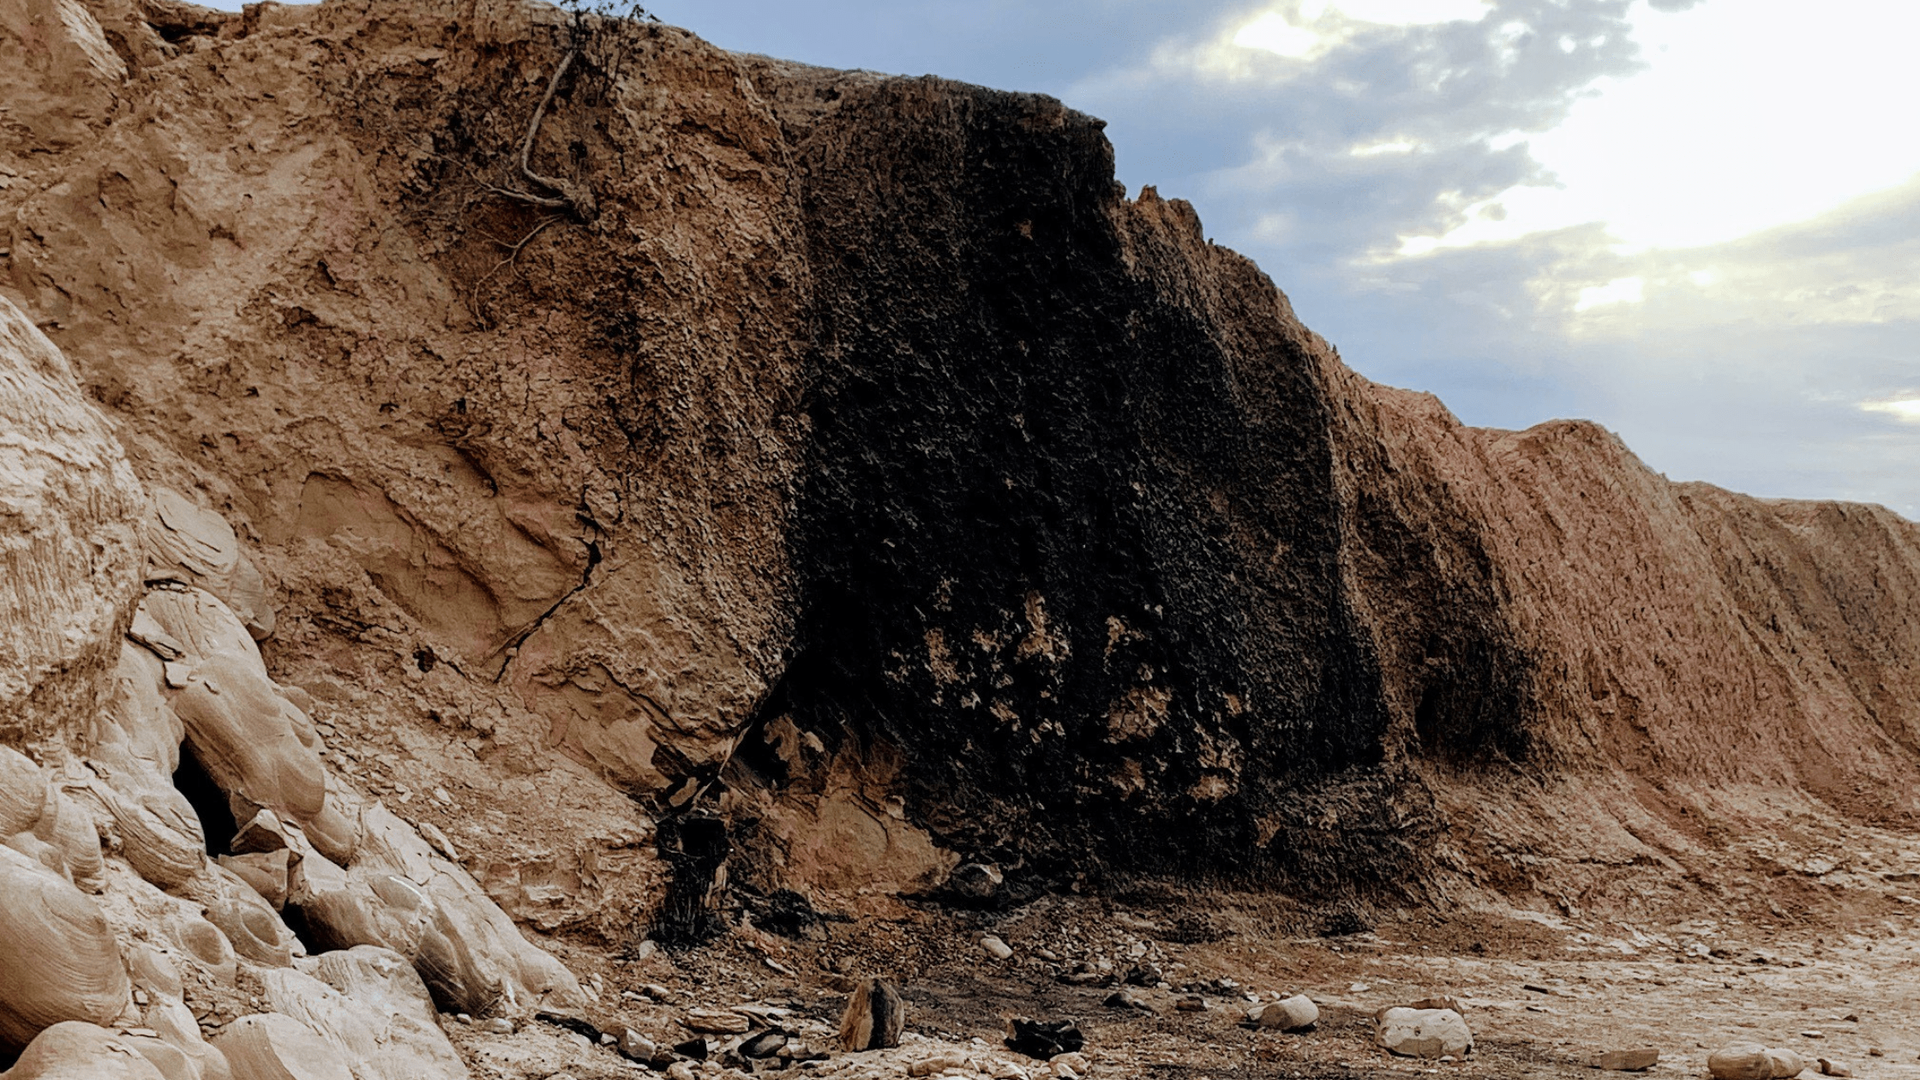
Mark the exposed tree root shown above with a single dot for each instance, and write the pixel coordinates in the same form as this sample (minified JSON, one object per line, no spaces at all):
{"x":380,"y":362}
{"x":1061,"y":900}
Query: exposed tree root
{"x":577,"y":198}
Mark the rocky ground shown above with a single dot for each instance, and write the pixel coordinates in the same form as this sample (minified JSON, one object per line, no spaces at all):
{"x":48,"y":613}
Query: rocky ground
{"x":1544,"y":996}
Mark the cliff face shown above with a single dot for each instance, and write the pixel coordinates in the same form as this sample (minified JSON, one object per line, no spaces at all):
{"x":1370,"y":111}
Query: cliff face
{"x":1701,"y":667}
{"x":69,"y":542}
{"x":864,"y":467}
{"x":1067,"y":535}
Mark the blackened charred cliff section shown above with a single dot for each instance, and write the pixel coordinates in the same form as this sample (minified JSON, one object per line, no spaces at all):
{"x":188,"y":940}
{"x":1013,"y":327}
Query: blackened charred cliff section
{"x":1064,"y":536}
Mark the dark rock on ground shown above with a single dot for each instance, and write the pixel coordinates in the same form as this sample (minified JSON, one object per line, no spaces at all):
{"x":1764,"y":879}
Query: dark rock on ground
{"x":977,"y":885}
{"x":1043,"y":1038}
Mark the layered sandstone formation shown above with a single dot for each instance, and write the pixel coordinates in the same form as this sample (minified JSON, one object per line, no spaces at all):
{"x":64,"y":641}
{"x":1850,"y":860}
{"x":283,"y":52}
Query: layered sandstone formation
{"x":857,"y":483}
{"x":123,"y":668}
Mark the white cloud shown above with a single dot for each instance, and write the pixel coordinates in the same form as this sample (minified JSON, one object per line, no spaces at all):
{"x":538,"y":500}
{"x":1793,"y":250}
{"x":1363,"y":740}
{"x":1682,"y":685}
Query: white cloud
{"x":1392,"y":146}
{"x":1856,"y":266}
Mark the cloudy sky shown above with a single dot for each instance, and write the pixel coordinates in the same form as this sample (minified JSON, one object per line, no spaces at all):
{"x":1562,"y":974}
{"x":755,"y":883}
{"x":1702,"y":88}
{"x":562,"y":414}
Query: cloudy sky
{"x":1696,"y":221}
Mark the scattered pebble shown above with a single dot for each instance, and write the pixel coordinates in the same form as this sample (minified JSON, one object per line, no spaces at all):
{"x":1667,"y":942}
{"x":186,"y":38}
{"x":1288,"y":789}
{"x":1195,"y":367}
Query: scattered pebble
{"x":938,"y":1063}
{"x":716,"y":1022}
{"x":637,"y":1046}
{"x":1071,"y":1060}
{"x":764,"y":1045}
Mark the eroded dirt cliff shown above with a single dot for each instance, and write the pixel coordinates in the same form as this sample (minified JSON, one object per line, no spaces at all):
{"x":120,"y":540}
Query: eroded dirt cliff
{"x":861,"y":469}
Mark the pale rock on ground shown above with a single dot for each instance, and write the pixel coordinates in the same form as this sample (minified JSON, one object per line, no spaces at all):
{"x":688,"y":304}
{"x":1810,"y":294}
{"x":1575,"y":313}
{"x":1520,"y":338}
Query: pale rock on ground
{"x":1742,"y":1061}
{"x":1425,"y":1033}
{"x":1786,"y":1063}
{"x":58,"y":957}
{"x":270,"y":1046}
{"x":1296,"y":1013}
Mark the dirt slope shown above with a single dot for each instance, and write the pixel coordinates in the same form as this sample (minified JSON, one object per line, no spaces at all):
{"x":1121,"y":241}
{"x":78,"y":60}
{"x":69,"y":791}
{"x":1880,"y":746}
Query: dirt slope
{"x":866,"y":469}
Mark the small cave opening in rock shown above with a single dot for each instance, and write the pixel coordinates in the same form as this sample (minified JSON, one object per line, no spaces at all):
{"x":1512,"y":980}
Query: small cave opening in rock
{"x":216,"y":816}
{"x":295,"y":918}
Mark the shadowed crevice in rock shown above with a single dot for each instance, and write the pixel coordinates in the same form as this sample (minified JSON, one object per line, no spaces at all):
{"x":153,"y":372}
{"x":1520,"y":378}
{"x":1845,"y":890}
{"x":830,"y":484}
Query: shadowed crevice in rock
{"x":209,"y":802}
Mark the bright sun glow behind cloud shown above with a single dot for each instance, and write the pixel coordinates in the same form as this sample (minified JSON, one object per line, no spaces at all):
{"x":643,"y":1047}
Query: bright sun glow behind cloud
{"x":1752,"y":113}
{"x":1907,"y":409}
{"x":1619,"y":291}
